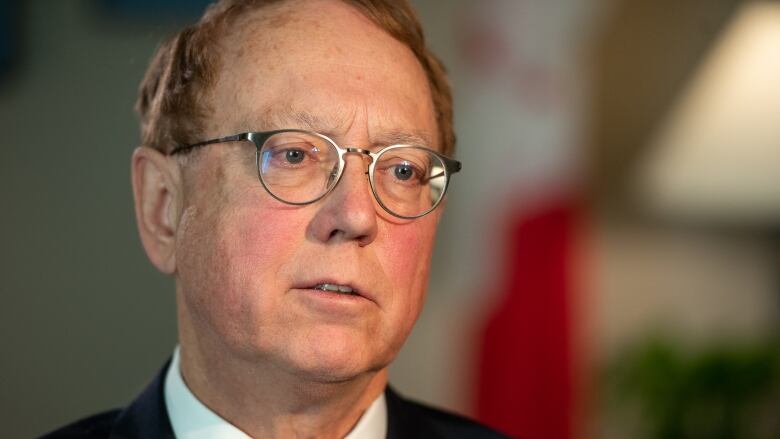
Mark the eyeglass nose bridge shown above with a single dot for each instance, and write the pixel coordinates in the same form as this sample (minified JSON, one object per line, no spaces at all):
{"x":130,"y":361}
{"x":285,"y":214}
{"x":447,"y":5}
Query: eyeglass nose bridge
{"x":358,"y":150}
{"x":365,"y":152}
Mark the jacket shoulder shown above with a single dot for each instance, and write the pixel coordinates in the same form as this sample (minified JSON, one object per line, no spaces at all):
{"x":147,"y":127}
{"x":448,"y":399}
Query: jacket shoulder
{"x":451,"y":425}
{"x":93,"y":427}
{"x":408,"y":418}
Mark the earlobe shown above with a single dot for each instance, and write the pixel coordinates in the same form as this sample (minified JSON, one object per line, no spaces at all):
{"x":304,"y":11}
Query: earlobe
{"x":156,"y":193}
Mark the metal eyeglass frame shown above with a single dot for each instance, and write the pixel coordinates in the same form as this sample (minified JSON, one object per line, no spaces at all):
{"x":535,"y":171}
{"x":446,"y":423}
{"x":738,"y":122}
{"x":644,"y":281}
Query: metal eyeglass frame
{"x":451,"y":166}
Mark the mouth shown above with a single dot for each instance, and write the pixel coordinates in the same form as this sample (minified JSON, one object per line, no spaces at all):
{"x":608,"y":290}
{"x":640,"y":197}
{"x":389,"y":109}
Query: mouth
{"x":336,"y":288}
{"x":335,"y":298}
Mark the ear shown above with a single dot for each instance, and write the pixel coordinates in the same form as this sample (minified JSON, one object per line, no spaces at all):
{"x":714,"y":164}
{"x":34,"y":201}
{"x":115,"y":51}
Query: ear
{"x":157,"y":195}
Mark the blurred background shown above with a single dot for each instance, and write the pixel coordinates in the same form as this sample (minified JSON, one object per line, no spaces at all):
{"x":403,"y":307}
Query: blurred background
{"x":608,"y":263}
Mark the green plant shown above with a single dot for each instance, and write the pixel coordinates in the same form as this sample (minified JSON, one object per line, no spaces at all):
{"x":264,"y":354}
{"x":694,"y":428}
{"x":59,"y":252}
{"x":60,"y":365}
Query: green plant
{"x":724,"y":391}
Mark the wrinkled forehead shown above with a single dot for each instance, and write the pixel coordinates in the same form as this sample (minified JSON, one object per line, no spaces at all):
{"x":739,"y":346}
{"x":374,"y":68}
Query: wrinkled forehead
{"x":333,"y":123}
{"x":281,"y":61}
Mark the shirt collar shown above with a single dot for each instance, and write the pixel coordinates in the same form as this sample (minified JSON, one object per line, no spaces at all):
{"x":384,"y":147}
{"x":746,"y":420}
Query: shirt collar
{"x":191,"y":419}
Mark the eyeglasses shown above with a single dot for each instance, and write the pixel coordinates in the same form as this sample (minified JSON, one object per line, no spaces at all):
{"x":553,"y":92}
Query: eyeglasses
{"x":299,"y":167}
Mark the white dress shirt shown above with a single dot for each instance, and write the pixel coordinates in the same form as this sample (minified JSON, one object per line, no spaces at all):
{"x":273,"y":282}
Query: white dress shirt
{"x":191,"y":419}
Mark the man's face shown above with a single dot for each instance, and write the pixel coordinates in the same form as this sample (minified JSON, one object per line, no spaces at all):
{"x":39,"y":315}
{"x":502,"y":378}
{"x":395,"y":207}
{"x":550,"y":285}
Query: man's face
{"x":247,"y":264}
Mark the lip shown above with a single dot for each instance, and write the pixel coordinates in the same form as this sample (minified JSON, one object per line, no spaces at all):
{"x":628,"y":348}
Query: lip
{"x":361,"y":291}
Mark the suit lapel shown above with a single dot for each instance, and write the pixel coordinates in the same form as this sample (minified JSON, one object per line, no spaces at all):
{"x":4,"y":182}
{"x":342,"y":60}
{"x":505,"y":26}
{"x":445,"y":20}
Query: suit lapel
{"x":404,"y":420}
{"x":147,"y":416}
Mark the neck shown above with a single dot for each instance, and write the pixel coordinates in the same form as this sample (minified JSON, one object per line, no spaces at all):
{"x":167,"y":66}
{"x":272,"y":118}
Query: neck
{"x":267,"y":401}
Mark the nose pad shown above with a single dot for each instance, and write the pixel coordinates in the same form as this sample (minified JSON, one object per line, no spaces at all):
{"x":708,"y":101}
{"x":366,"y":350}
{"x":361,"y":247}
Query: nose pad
{"x":356,"y":169}
{"x":357,"y":153}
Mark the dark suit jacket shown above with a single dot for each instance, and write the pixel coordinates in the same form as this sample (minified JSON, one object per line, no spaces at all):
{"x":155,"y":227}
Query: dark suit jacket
{"x":147,"y":418}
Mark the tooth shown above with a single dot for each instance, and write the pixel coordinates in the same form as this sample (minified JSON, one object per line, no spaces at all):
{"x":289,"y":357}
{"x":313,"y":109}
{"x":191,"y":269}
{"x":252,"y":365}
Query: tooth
{"x":335,"y":288}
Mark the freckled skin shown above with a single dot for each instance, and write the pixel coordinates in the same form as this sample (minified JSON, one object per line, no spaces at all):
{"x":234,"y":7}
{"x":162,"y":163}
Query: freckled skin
{"x":239,"y":252}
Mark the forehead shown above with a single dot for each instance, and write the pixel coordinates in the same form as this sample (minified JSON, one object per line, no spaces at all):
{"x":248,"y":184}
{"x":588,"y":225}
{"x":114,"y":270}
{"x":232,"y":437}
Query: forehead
{"x":320,"y":65}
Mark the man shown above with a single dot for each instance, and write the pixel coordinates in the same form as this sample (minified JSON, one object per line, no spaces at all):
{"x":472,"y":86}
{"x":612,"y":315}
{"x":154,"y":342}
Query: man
{"x":294,"y":156}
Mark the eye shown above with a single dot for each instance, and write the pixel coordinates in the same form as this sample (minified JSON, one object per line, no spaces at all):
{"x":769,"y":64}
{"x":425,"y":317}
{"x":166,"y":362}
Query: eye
{"x":294,"y":156}
{"x":403,"y":171}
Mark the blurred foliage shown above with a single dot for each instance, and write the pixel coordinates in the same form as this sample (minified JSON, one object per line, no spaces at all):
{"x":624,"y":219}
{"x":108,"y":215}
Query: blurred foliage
{"x":724,"y":391}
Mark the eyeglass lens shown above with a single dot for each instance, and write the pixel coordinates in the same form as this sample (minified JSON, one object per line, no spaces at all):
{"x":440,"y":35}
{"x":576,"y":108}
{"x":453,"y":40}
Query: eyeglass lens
{"x":298,"y":168}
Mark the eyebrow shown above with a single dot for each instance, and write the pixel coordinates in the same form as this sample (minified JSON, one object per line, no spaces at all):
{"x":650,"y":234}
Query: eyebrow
{"x":328,"y":125}
{"x":403,"y":138}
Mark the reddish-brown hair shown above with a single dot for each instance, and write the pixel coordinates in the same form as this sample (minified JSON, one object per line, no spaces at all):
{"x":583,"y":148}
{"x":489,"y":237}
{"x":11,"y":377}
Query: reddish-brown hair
{"x":172,"y":99}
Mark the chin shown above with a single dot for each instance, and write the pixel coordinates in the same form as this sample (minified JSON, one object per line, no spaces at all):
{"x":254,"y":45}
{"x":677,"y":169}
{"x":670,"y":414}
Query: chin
{"x":336,"y":358}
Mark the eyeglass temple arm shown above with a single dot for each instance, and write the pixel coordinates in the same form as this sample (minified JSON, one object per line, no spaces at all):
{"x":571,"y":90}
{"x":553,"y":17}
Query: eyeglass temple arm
{"x":233,"y":138}
{"x":452,"y":165}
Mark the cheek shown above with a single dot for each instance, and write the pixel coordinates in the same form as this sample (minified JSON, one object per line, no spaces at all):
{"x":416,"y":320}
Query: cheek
{"x":407,"y":261}
{"x":231,"y":263}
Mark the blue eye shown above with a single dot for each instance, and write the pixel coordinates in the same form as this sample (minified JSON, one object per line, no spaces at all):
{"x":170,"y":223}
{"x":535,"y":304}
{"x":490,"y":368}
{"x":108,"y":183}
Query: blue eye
{"x":403,"y":172}
{"x":294,"y":156}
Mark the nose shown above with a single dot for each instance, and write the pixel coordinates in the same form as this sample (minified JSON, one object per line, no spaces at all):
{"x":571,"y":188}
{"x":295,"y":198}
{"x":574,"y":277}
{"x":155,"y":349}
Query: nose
{"x":347,"y":213}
